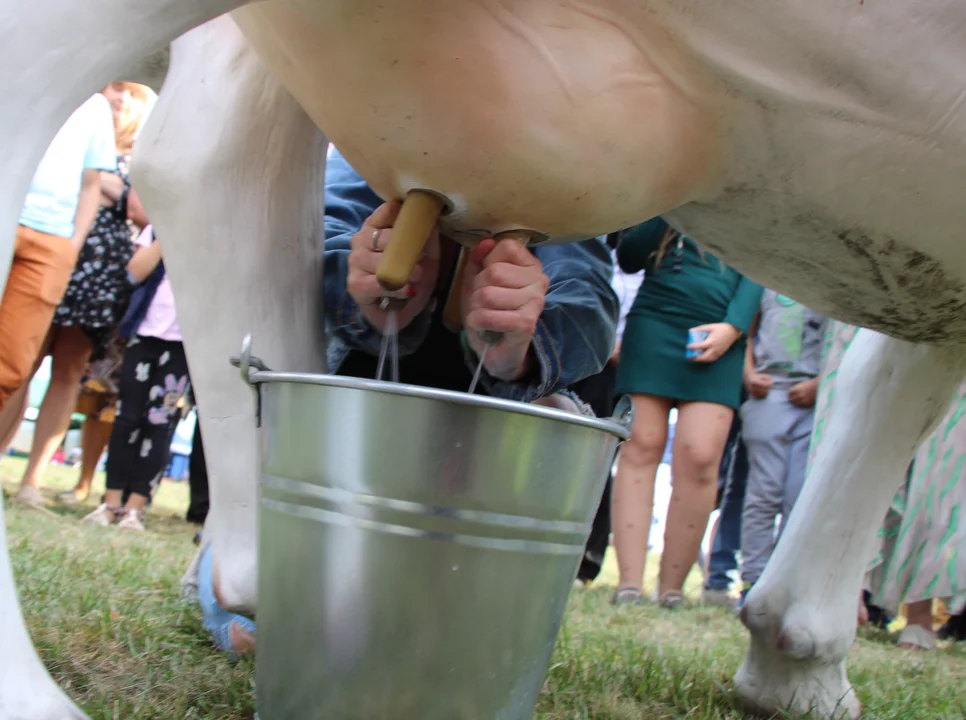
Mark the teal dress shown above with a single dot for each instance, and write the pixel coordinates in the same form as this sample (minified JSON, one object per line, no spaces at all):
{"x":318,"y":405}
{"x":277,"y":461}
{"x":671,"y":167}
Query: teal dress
{"x":688,"y":288}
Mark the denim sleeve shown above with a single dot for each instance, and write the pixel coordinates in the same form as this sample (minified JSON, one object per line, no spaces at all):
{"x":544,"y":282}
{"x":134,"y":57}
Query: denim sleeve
{"x":349,"y":201}
{"x":578,"y":327}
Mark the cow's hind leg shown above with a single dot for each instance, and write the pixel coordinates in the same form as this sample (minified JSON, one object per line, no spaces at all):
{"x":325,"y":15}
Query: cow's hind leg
{"x":54,"y":54}
{"x":231,"y":171}
{"x":801,"y":613}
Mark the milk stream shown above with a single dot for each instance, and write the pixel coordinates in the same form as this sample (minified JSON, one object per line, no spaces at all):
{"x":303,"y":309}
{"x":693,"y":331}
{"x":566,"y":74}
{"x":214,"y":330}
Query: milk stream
{"x":479,"y":369}
{"x":389,"y":349}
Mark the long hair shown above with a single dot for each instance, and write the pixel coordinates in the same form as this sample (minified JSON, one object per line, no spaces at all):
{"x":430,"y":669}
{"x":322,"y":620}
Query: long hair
{"x":138,"y":101}
{"x":670,"y":236}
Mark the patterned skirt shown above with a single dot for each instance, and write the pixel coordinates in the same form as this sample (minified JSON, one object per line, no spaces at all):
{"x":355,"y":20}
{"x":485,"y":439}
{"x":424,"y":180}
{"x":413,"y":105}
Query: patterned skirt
{"x":99,"y":289}
{"x":922,"y":542}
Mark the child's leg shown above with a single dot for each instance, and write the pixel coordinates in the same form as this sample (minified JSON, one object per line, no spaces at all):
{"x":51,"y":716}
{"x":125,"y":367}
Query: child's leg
{"x":800,"y":437}
{"x":765,"y":425}
{"x":166,"y":383}
{"x":124,"y":446}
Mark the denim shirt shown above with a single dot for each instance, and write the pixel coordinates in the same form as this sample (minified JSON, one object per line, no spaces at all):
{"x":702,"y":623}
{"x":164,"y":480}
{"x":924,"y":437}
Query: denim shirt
{"x":575,"y":333}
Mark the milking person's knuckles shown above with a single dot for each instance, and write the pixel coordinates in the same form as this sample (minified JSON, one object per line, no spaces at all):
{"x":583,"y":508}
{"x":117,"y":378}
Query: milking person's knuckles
{"x":383,"y":217}
{"x":506,"y":275}
{"x":513,"y":252}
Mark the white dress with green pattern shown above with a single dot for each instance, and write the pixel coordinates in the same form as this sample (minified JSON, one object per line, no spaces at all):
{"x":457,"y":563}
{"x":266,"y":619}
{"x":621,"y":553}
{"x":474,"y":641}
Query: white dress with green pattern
{"x":923,"y":538}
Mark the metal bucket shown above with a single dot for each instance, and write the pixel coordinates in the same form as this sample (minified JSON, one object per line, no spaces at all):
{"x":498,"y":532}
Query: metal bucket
{"x":416,"y":546}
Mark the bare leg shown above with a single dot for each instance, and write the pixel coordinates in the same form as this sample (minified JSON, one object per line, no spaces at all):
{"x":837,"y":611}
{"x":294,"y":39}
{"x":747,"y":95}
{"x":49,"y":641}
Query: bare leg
{"x":136,"y":502}
{"x":801,"y":612}
{"x":699,"y":440}
{"x":71,"y":349}
{"x":632,"y":503}
{"x":231,"y":171}
{"x":12,"y":415}
{"x":95,"y":435}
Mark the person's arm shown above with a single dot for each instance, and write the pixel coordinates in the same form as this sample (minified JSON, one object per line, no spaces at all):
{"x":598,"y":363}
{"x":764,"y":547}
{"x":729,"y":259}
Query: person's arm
{"x":750,"y":347}
{"x":143,"y":262}
{"x":98,"y":156}
{"x":348,"y":202}
{"x":578,"y":325}
{"x":639,"y":243}
{"x":112,"y":188}
{"x":744,"y":305}
{"x":88,"y":203}
{"x":135,"y":210}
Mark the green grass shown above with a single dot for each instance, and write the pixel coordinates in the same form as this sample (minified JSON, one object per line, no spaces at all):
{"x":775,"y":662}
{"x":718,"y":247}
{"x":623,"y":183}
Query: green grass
{"x":104,"y":610}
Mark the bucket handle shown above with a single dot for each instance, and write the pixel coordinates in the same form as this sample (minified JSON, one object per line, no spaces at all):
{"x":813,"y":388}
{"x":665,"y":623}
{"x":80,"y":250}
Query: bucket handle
{"x":624,"y":412}
{"x":249,"y":365}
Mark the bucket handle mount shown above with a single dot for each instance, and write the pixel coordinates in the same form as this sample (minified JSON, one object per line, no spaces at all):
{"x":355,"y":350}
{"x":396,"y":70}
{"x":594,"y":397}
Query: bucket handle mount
{"x":248,"y":364}
{"x":624,"y":412}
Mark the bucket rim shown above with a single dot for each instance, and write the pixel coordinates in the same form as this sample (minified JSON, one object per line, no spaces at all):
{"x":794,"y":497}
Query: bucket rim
{"x":619,"y":425}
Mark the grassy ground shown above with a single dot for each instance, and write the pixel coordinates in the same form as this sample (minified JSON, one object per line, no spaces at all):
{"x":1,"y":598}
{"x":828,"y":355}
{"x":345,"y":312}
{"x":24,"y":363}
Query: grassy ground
{"x":104,"y":611}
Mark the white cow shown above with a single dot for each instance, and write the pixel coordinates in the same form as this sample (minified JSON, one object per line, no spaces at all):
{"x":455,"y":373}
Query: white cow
{"x":818,"y":147}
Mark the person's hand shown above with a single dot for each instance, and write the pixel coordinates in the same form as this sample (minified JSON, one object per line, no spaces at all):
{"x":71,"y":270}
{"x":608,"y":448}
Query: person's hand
{"x":721,"y":336}
{"x":804,"y":393}
{"x":367,"y":247}
{"x":758,"y":384}
{"x":504,"y":290}
{"x":616,"y":355}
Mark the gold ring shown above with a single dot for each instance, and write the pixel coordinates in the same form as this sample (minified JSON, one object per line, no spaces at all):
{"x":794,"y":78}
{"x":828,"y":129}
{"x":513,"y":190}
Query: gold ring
{"x":375,"y":240}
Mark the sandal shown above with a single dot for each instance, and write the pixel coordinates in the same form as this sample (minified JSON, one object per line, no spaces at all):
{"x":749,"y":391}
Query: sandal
{"x":916,"y":637}
{"x":627,"y":596}
{"x":672,"y":600}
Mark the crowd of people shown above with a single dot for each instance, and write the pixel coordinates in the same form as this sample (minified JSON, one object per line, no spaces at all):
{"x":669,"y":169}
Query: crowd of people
{"x":747,"y":372}
{"x":87,"y":288}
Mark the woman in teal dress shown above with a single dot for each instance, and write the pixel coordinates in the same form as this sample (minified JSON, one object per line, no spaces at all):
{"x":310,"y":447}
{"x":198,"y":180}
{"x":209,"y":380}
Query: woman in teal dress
{"x":684,"y":289}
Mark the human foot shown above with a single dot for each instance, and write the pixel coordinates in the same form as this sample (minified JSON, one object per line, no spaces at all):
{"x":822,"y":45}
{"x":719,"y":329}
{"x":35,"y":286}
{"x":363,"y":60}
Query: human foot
{"x":131,"y":521}
{"x":74,"y":497}
{"x":672,"y":600}
{"x":104,"y":515}
{"x":30,"y":496}
{"x":627,"y":596}
{"x":718,"y":598}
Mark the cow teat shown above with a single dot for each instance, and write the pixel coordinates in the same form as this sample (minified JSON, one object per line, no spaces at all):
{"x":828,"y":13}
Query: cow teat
{"x":420,"y":211}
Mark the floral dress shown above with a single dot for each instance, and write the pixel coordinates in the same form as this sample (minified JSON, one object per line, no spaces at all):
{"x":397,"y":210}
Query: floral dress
{"x":99,"y":289}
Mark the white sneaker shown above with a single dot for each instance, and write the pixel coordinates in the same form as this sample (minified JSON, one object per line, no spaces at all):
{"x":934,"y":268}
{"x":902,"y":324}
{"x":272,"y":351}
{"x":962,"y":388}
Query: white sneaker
{"x":103,"y":516}
{"x":131,"y":521}
{"x":718,"y":598}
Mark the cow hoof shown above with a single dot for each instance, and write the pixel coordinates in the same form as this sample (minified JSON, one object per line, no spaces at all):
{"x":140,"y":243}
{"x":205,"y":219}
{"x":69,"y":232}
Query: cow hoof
{"x":796,"y":659}
{"x":37,"y":698}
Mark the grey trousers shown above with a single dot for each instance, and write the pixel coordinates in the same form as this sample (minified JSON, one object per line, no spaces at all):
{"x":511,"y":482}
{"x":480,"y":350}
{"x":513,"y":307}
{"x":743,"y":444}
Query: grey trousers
{"x":776,"y":435}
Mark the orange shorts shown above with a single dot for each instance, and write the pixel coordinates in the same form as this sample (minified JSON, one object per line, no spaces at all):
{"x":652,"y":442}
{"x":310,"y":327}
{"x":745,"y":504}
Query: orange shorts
{"x":41,"y":268}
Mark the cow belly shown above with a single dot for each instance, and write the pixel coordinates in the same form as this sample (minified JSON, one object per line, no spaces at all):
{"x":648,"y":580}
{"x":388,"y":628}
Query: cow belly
{"x":524,"y":115}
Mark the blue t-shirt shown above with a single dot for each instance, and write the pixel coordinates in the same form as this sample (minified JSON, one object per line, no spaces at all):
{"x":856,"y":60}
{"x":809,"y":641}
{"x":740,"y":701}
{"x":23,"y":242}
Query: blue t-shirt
{"x":86,"y":141}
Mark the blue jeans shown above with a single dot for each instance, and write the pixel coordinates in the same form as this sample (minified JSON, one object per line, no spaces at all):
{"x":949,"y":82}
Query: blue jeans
{"x":733,"y":476}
